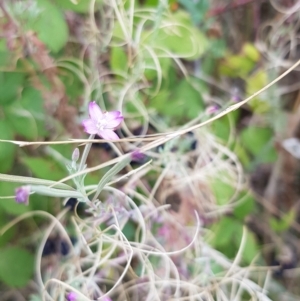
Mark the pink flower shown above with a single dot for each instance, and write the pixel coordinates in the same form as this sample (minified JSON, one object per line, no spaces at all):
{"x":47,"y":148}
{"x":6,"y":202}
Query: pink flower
{"x":72,"y":296}
{"x":102,"y":123}
{"x":212,"y":109}
{"x":22,"y":195}
{"x":164,"y":231}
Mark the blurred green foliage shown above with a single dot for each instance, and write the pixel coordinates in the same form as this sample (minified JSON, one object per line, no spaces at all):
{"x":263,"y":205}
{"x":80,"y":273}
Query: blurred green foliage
{"x":25,"y":114}
{"x":13,"y":271}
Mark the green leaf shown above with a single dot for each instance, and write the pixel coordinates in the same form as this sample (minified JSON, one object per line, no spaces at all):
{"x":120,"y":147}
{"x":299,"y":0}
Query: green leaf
{"x":151,"y":69}
{"x":185,"y":101}
{"x":80,"y":6}
{"x":255,"y":82}
{"x":7,"y":150}
{"x":129,"y":230}
{"x":242,"y":154}
{"x":222,"y":127}
{"x":245,"y":208}
{"x":66,"y":150}
{"x":251,"y":52}
{"x":226,"y":232}
{"x":16,"y":266}
{"x":41,"y":202}
{"x":160,"y":103}
{"x":197,"y":9}
{"x":21,"y":121}
{"x":50,"y":25}
{"x":217,"y":49}
{"x":33,"y":102}
{"x":190,"y":98}
{"x":5,"y":54}
{"x":221,"y":189}
{"x":258,"y":141}
{"x":236,"y":66}
{"x":251,"y":248}
{"x":73,"y":85}
{"x":228,"y":237}
{"x":10,"y":86}
{"x":118,"y":59}
{"x":254,"y":139}
{"x":283,"y":224}
{"x":44,"y":168}
{"x":8,"y":235}
{"x":155,"y":3}
{"x":182,"y":38}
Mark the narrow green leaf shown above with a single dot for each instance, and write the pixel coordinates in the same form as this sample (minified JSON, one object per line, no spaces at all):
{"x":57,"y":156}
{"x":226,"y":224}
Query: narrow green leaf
{"x":251,"y":248}
{"x":34,"y":181}
{"x":111,"y":173}
{"x":44,"y":168}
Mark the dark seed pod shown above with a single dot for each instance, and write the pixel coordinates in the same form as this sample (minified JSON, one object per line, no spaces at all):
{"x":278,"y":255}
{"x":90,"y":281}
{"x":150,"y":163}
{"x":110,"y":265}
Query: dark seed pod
{"x":64,"y":248}
{"x":194,"y":142}
{"x":71,"y":203}
{"x":50,"y":247}
{"x":104,"y":146}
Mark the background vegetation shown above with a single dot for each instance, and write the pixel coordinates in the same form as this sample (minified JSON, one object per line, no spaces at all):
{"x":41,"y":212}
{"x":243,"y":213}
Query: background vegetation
{"x":167,"y":66}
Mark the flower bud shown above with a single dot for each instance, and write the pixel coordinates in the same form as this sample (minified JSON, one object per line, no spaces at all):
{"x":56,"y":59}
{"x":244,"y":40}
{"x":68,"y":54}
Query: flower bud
{"x":137,"y":155}
{"x":212,"y":110}
{"x":75,"y":155}
{"x":22,"y":195}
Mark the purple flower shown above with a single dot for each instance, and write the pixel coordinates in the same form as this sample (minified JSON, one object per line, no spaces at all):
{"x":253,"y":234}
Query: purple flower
{"x":102,"y":123}
{"x":236,"y":98}
{"x":71,"y":296}
{"x":22,"y":195}
{"x":137,"y":155}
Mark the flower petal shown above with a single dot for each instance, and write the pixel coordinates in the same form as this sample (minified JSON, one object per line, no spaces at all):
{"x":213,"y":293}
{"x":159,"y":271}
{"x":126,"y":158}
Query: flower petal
{"x":90,"y":126}
{"x":72,"y":296}
{"x":113,"y":115}
{"x":108,"y":135}
{"x":94,"y":111}
{"x":112,"y":124}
